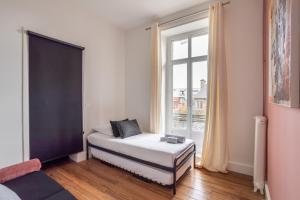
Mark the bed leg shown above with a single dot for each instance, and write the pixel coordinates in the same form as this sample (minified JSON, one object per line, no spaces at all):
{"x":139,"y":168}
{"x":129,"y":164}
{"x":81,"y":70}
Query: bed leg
{"x":194,"y":161}
{"x":87,"y":150}
{"x":174,"y":189}
{"x":194,"y":156}
{"x":174,"y":176}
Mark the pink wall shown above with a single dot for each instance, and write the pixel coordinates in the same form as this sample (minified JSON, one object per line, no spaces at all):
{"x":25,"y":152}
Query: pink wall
{"x":283,"y":151}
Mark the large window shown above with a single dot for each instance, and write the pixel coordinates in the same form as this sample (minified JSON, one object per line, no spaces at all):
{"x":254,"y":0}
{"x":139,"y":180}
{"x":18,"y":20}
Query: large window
{"x":186,"y":82}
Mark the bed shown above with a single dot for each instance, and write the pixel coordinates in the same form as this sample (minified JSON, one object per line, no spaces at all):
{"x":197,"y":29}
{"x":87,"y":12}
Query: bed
{"x":145,"y":155}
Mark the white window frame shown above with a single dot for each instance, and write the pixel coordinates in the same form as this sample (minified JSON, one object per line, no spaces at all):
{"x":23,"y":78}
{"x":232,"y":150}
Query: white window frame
{"x":169,"y":77}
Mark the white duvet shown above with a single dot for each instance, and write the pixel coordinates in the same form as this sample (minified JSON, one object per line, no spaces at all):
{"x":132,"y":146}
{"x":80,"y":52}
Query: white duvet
{"x":7,"y":194}
{"x":144,"y":146}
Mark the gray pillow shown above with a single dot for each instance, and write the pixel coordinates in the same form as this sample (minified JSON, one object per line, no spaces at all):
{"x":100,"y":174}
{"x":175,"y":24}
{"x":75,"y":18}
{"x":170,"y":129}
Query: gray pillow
{"x":129,"y":128}
{"x":114,"y":126}
{"x":8,"y":194}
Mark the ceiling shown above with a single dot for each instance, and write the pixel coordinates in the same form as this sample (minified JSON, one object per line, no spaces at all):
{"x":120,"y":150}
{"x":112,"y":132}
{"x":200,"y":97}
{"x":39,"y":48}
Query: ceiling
{"x":129,"y":14}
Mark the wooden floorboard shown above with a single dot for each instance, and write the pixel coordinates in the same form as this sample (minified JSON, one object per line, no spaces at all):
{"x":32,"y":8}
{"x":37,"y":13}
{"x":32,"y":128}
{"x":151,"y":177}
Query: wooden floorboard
{"x":92,"y":179}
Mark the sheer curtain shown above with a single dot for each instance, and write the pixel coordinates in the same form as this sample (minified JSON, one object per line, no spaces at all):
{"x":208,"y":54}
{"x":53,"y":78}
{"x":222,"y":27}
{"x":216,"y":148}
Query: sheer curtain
{"x":215,"y":148}
{"x":156,"y":81}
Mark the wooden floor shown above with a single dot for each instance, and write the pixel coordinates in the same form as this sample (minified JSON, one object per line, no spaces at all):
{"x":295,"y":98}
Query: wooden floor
{"x":93,"y":179}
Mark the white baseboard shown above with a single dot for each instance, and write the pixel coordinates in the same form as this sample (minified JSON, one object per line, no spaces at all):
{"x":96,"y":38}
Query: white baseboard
{"x":78,"y":157}
{"x":240,"y":168}
{"x":267,"y":192}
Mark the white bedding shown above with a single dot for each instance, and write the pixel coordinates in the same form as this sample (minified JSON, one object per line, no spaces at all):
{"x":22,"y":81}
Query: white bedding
{"x":154,"y":174}
{"x":7,"y":194}
{"x":144,"y":146}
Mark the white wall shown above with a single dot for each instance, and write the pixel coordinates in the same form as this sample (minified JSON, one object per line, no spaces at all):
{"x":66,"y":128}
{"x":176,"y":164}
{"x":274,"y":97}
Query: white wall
{"x":244,"y":41}
{"x":104,"y":64}
{"x":138,"y":70}
{"x":245,"y":78}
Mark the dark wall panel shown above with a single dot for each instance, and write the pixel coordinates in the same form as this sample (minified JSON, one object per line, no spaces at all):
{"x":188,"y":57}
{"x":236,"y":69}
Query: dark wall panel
{"x":55,"y":98}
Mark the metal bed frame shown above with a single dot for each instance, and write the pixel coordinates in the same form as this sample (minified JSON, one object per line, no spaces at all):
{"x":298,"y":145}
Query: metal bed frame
{"x":174,"y":169}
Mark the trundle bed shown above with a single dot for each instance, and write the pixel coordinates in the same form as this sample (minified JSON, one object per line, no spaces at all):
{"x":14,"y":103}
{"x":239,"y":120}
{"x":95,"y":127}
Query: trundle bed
{"x":145,"y":155}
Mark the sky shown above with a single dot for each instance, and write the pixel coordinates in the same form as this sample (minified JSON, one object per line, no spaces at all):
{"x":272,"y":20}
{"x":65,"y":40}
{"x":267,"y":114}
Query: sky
{"x":180,"y":74}
{"x":199,"y":69}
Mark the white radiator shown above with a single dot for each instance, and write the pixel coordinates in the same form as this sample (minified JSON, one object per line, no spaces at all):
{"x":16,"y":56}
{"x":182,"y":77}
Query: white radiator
{"x":260,"y":153}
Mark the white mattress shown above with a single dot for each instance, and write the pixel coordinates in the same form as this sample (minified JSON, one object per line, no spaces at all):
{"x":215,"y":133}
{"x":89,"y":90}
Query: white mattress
{"x":143,"y":146}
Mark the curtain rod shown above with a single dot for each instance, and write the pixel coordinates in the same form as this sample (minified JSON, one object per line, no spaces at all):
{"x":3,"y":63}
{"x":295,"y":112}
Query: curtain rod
{"x":198,"y":12}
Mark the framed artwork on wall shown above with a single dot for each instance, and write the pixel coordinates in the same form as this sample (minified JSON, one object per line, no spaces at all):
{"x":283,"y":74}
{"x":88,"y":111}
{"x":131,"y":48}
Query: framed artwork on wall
{"x":284,"y":52}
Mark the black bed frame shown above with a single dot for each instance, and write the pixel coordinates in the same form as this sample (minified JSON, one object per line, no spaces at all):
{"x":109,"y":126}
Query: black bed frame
{"x":174,"y":169}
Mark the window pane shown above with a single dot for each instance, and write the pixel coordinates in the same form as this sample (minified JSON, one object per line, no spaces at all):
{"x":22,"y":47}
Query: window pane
{"x":200,"y":45}
{"x":180,"y":49}
{"x":179,"y":114}
{"x":199,"y":96}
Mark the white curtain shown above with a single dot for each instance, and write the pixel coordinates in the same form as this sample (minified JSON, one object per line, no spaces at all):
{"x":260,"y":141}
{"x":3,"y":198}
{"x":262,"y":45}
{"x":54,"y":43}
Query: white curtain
{"x":156,"y":81}
{"x":215,"y":148}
